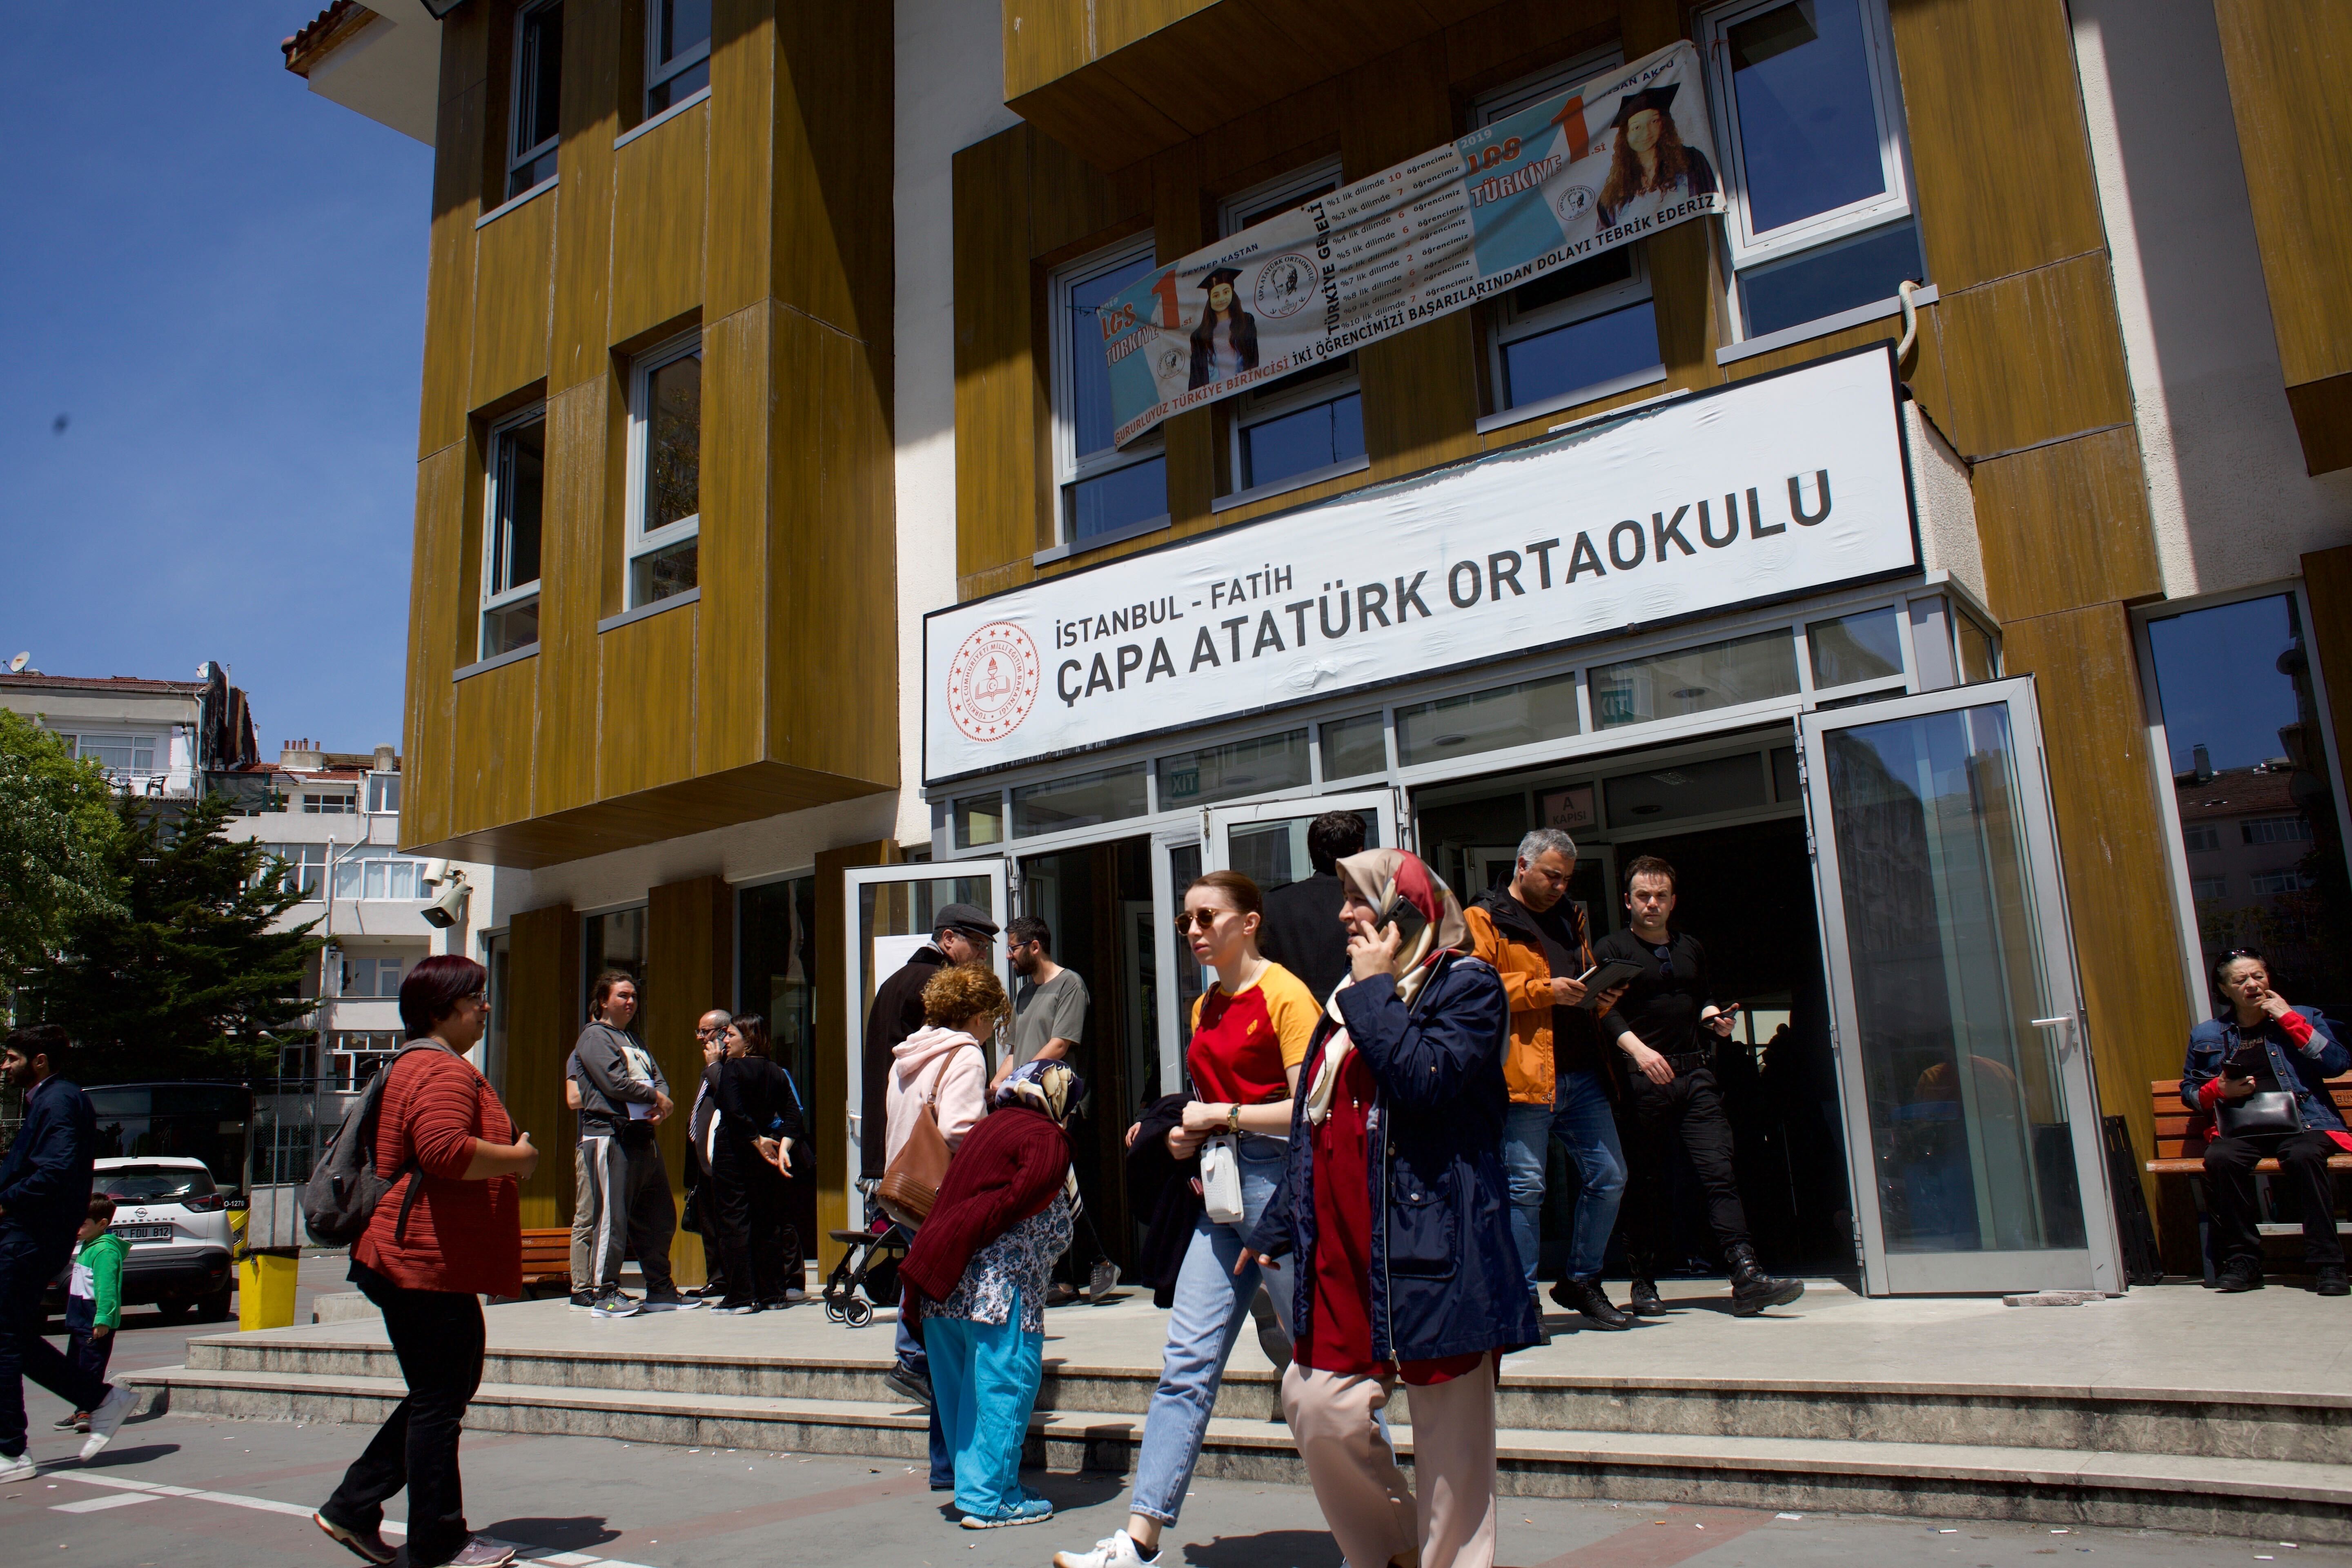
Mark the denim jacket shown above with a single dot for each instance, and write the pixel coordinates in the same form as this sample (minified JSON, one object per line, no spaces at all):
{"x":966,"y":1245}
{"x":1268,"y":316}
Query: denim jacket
{"x":2305,"y":1070}
{"x":1445,"y":1277}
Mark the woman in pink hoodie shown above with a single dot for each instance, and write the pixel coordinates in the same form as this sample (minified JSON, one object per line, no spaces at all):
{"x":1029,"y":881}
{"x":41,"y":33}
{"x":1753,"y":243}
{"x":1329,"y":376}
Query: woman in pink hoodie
{"x":943,"y":1064}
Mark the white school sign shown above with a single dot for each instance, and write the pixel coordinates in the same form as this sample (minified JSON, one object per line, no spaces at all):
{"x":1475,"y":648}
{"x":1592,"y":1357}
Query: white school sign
{"x":1778,"y":486}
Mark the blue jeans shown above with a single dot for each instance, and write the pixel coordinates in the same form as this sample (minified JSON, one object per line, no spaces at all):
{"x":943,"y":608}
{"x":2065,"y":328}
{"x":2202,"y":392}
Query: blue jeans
{"x":1211,"y":1306}
{"x":984,"y":1379}
{"x":912,"y":1355}
{"x":1579,"y":1118}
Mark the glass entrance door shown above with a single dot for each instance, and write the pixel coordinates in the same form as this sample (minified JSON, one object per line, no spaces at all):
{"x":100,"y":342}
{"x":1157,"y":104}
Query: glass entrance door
{"x":890,"y":913}
{"x":1961,"y":1051}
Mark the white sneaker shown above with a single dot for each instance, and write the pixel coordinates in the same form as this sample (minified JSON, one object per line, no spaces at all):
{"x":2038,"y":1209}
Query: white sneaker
{"x":106,"y":1419}
{"x":1117,"y":1550}
{"x":20,"y":1467}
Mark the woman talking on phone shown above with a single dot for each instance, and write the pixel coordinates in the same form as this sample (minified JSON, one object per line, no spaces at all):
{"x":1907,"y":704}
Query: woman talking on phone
{"x":1394,"y":1218}
{"x":1249,"y":1034}
{"x":2259,"y":1070}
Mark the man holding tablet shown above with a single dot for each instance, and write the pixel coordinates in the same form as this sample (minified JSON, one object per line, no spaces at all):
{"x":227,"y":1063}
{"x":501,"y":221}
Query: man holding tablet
{"x":1668,"y":1025}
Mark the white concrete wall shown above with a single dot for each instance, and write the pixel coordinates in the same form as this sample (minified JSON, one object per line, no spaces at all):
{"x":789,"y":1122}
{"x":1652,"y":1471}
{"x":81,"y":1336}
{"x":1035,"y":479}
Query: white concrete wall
{"x":951,"y":94}
{"x":2231,"y":504}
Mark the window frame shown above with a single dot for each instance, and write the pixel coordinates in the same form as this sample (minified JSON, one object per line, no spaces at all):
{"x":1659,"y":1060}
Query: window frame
{"x":1746,"y":251}
{"x":1267,"y":403}
{"x":494,"y":599}
{"x":1072,"y":469}
{"x":658,"y":71}
{"x":519,"y":158}
{"x":640,"y":541}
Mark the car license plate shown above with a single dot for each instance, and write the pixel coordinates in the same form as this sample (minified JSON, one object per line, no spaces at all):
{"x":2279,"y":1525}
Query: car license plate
{"x":144,"y":1232}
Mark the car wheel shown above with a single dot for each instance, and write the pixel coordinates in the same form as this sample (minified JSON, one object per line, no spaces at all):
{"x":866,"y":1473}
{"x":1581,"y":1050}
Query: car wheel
{"x":214,"y":1308}
{"x":170,"y":1311}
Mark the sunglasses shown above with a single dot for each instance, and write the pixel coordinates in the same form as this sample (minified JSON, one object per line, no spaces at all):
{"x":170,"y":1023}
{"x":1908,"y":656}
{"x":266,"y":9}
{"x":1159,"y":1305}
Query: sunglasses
{"x":1207,"y":917}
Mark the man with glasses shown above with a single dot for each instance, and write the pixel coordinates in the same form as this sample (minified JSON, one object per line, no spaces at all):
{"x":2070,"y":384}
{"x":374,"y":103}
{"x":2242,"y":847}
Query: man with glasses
{"x":1667,"y":1024}
{"x":710,"y":1033}
{"x":1049,"y":1020}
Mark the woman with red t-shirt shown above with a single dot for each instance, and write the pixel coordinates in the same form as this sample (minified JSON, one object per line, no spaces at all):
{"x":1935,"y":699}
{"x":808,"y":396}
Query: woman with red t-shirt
{"x":1249,"y":1034}
{"x":446,"y":1231}
{"x":1397,"y":1210}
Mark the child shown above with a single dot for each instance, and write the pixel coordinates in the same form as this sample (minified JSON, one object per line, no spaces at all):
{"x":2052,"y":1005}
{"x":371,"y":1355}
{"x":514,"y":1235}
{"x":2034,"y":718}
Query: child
{"x":94,"y":1300}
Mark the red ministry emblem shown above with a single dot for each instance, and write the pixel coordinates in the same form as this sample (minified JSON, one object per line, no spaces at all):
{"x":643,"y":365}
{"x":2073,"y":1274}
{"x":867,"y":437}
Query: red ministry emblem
{"x":993,"y":680}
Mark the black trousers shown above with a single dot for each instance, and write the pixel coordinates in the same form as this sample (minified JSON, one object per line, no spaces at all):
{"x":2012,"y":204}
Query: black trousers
{"x":2302,"y":1167}
{"x":437,"y":1335}
{"x":703,"y":1197}
{"x":1656,"y":1118}
{"x":747,"y":1213}
{"x":27,"y":1263}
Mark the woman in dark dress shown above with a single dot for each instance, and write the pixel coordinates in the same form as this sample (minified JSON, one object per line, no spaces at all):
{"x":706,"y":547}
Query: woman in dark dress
{"x":759,"y":1121}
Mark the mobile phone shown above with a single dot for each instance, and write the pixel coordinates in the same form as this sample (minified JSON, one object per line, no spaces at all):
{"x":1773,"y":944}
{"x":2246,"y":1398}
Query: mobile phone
{"x":1406,"y":917}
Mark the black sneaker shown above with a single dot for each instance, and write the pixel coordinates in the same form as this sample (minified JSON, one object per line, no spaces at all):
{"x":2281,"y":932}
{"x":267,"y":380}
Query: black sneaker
{"x":1586,"y":1297}
{"x":1646,"y":1302}
{"x":2330,"y":1280}
{"x":2240,"y":1274}
{"x":1101,"y":1279}
{"x":669,"y":1301}
{"x":613,"y":1304}
{"x":583,"y":1301}
{"x":909,"y":1384}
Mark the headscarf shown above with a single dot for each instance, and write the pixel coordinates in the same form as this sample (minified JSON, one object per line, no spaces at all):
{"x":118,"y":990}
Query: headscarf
{"x":1047,"y":1086}
{"x":1382,"y":879}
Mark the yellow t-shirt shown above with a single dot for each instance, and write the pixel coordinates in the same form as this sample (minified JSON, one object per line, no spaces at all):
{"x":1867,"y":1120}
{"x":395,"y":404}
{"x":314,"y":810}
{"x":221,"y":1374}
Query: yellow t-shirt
{"x":1243,"y":1043}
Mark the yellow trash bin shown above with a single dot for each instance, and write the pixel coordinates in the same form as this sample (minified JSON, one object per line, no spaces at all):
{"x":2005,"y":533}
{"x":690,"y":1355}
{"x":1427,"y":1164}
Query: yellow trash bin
{"x":265,"y":1287}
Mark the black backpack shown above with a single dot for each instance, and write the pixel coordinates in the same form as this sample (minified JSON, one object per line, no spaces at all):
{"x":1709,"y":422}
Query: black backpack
{"x":343,"y":1190}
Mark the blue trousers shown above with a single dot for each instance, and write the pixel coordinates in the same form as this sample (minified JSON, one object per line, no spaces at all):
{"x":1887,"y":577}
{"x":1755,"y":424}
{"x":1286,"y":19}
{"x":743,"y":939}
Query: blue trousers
{"x":984,"y":1379}
{"x":1581,"y":1118}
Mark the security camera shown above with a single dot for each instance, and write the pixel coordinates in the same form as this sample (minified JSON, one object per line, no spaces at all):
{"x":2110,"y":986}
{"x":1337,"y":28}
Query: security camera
{"x":449,"y":907}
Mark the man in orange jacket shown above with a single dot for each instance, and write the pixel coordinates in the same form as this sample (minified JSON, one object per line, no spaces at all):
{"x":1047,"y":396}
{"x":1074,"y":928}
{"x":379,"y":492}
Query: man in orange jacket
{"x":1557,"y":1070}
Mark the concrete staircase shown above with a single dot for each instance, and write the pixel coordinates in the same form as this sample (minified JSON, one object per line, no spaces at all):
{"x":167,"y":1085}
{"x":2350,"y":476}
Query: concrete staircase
{"x":2181,"y":1459}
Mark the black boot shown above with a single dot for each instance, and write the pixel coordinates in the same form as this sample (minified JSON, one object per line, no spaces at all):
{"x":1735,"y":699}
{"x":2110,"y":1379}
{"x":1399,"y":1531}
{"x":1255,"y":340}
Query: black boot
{"x":2330,"y":1280}
{"x":1543,"y":1334}
{"x":1586,"y":1297}
{"x":2240,"y":1274}
{"x":1646,"y":1302}
{"x":1752,"y":1289}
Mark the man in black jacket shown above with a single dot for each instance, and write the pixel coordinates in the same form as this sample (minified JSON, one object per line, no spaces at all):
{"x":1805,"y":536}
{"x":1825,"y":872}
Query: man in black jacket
{"x":44,"y":1197}
{"x":1667,"y":1024}
{"x":962,"y":934}
{"x":1300,"y":929}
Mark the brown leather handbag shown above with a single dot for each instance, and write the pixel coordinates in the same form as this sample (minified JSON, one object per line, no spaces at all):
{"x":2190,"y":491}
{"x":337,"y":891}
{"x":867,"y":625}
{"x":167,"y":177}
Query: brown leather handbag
{"x":911,"y":1185}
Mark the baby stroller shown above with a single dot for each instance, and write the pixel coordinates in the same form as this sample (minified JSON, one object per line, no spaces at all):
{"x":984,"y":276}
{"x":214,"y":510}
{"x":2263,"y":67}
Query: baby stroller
{"x":868,"y":1275}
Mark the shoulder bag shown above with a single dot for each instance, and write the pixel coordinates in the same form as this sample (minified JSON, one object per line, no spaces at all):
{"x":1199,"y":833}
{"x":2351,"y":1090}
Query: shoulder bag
{"x":911,"y":1183}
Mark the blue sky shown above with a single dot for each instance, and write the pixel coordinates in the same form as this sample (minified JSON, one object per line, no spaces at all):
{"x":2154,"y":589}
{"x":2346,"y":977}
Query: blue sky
{"x":218,"y":280}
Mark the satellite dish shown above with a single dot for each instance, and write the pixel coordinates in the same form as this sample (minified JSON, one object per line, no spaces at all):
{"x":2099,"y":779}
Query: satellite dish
{"x":16,"y":665}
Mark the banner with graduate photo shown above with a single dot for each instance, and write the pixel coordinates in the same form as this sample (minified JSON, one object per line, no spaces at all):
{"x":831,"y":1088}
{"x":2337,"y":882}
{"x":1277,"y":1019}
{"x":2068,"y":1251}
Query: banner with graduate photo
{"x":1627,"y":154}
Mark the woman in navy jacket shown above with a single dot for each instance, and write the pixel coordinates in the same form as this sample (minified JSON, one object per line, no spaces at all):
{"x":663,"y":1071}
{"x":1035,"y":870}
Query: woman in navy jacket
{"x":1395,"y":1211}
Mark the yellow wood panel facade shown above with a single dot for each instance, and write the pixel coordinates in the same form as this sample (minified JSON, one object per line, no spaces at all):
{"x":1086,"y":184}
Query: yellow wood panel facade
{"x":706,"y":713}
{"x":542,"y":1024}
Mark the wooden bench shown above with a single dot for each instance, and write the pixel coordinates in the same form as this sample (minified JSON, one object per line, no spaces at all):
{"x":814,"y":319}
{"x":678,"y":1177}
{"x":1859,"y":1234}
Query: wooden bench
{"x":547,"y":1262}
{"x":2180,"y":1149}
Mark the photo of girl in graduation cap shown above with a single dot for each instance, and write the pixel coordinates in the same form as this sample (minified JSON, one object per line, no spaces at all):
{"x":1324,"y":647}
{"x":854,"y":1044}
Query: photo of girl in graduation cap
{"x":1225,"y":345}
{"x":1650,"y":168}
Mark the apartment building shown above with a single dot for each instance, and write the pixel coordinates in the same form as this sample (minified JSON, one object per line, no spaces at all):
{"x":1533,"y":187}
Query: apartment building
{"x":1991,"y":327}
{"x":156,"y":739}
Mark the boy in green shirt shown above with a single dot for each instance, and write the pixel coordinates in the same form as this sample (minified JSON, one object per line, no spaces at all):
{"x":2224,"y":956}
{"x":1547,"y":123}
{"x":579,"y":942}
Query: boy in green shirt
{"x":94,"y":1300}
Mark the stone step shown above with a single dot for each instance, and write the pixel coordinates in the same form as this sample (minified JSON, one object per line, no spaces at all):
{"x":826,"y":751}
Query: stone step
{"x":2314,"y":1428}
{"x":2208,"y":1495}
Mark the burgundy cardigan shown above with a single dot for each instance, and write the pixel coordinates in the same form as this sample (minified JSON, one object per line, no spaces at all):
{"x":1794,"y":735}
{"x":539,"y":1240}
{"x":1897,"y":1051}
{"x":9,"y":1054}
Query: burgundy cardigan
{"x":1006,"y":1169}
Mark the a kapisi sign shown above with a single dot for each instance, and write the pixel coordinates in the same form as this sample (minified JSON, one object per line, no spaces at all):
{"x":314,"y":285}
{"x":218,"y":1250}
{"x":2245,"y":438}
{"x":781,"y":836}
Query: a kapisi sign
{"x":1780,"y":484}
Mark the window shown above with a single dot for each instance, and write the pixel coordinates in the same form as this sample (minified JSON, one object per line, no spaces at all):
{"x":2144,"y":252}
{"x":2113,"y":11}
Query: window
{"x":2266,"y":882}
{"x":665,"y":458}
{"x":1312,"y":420}
{"x":379,"y":873}
{"x":1353,"y":747}
{"x":616,"y":940}
{"x":1080,"y":802}
{"x":1580,"y":332}
{"x":1695,"y":680}
{"x":336,"y":804}
{"x":2205,"y":888}
{"x":538,"y":98}
{"x":510,"y":520}
{"x":1487,"y":720}
{"x":383,"y":792}
{"x":1807,"y":114}
{"x":300,"y":868}
{"x":1865,"y":647}
{"x":122,"y":756}
{"x":677,"y":52}
{"x":2195,"y":840}
{"x":979,"y":820}
{"x":1231,"y":770}
{"x":1104,"y":492}
{"x":2276,"y":830}
{"x":369,"y":977}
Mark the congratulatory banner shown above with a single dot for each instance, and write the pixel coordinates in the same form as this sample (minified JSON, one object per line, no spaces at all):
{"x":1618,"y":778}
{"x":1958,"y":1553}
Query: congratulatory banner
{"x":1761,"y":490}
{"x":1624,"y":155}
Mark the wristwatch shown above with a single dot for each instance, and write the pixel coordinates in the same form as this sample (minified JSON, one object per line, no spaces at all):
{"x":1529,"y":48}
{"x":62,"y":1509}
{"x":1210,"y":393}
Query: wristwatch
{"x":1233,"y":1118}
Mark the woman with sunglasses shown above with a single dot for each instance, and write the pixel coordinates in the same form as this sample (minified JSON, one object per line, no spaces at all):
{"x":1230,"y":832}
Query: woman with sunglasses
{"x":1250,"y":1032}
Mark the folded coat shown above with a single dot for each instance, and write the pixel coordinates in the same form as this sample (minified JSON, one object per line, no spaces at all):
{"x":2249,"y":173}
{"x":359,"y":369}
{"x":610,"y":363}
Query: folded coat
{"x":1007,"y":1168}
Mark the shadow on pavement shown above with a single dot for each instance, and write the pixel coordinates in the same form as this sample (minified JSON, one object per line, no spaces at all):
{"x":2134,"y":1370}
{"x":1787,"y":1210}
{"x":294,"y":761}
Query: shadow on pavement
{"x":575,"y":1533}
{"x":1304,"y":1548}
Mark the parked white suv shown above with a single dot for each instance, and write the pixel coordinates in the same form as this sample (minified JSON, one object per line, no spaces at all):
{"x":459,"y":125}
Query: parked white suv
{"x":176,"y":1223}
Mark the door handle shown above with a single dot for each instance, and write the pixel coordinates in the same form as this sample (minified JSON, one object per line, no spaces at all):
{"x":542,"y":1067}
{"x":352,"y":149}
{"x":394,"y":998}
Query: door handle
{"x":2063,"y":1018}
{"x":2064,"y":1023}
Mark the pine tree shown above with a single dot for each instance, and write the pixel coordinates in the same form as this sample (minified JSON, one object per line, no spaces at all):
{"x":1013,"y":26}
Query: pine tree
{"x":187,"y":980}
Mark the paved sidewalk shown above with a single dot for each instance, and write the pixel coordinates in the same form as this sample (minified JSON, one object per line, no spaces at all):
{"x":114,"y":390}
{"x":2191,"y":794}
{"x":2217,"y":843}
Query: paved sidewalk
{"x":198,"y":1492}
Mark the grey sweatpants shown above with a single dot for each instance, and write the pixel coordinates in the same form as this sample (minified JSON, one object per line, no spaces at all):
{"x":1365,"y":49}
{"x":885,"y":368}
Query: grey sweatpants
{"x":622,"y":1208}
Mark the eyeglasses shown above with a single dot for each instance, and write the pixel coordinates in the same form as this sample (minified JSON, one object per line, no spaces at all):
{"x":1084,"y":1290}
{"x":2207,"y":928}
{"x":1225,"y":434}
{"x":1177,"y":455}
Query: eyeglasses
{"x":1185,"y":918}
